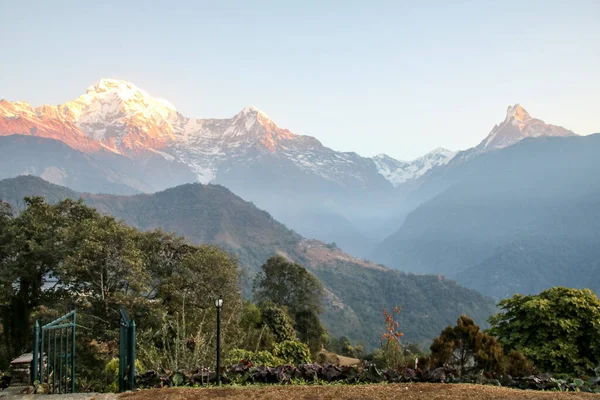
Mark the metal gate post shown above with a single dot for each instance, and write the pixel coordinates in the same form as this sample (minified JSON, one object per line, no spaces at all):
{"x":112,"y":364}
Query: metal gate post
{"x":122,"y":361}
{"x":127,"y":334}
{"x":36,"y":350}
{"x":131,"y":356}
{"x":73,"y":352}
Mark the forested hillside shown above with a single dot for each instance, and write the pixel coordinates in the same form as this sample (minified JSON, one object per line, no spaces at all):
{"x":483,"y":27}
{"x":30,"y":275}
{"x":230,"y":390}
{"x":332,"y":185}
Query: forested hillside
{"x":356,"y":290}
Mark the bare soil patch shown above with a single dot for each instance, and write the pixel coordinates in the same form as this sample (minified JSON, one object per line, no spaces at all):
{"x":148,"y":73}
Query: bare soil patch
{"x":414,"y":391}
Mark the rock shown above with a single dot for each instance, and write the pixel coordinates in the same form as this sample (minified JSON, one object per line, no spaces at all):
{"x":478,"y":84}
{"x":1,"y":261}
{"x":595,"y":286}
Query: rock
{"x":494,"y":382}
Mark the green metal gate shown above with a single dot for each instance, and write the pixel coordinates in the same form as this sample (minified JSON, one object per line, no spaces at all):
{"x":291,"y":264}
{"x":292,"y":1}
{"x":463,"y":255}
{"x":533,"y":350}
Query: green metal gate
{"x":54,"y":354}
{"x":126,"y":353}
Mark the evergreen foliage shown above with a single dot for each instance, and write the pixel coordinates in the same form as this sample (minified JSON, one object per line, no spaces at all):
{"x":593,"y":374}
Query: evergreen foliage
{"x":466,"y":348}
{"x":292,"y":352}
{"x":558,"y":329}
{"x":292,"y":286}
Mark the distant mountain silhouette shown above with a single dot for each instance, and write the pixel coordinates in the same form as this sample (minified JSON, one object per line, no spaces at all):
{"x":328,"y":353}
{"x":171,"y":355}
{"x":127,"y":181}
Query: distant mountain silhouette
{"x":500,"y":220}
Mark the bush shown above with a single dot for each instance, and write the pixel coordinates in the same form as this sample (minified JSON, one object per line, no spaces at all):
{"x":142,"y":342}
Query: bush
{"x":264,"y":357}
{"x":292,"y":352}
{"x":112,"y":373}
{"x":516,"y":364}
{"x":465,"y":348}
{"x":279,"y":322}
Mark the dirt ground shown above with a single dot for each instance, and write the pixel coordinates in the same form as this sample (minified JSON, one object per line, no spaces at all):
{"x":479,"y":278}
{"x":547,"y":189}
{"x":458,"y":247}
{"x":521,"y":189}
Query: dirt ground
{"x":417,"y":391}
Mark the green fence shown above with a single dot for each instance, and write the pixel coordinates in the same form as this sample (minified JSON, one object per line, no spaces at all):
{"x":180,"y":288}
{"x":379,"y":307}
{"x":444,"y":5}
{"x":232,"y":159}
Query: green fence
{"x":54,"y":354}
{"x":126,"y":353}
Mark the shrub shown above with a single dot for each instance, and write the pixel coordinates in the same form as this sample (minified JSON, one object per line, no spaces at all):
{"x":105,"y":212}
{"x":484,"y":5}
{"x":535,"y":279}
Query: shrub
{"x":465,"y":348}
{"x":516,"y":364}
{"x":279,"y":322}
{"x":292,"y":352}
{"x":112,"y":373}
{"x":264,"y":357}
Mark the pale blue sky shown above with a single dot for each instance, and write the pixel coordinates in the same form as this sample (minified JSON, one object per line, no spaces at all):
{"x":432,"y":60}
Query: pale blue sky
{"x":400,"y":77}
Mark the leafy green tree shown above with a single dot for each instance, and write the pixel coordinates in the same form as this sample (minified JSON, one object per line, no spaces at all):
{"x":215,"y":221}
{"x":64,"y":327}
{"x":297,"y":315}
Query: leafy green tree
{"x":310,"y":330}
{"x":33,"y":248}
{"x":279,"y":322}
{"x":292,"y":352}
{"x":346,"y":348}
{"x":55,"y":256}
{"x":466,"y":348}
{"x":290,"y":285}
{"x":105,"y":273}
{"x":185,"y":336}
{"x":558,"y":329}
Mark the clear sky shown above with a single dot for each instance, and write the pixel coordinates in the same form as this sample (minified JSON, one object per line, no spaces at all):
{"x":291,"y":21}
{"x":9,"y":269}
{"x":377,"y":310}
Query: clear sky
{"x":397,"y":77}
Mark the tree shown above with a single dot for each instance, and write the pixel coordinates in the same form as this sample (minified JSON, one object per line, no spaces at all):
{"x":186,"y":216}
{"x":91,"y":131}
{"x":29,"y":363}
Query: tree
{"x":291,"y":286}
{"x":279,"y":323}
{"x":33,"y":247}
{"x":55,"y":256}
{"x":558,"y":329}
{"x":105,"y":272}
{"x":185,"y":337}
{"x":466,"y":348}
{"x":394,"y":353}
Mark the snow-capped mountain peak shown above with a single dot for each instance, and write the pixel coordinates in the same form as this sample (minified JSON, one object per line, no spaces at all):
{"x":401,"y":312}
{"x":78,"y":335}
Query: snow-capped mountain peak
{"x":251,"y":110}
{"x":126,"y":92}
{"x":517,"y":114}
{"x":517,"y":125}
{"x":111,"y":109}
{"x":439,"y":152}
{"x":399,"y":172}
{"x":117,"y":115}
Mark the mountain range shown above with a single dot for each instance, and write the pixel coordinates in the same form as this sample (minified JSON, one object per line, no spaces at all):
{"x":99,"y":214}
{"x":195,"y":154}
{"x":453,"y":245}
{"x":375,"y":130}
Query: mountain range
{"x":489,"y":216}
{"x":356,"y":291}
{"x":133,"y":142}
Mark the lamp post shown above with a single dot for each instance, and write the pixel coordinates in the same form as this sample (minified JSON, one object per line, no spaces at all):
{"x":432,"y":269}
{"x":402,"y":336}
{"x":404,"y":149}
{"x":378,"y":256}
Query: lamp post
{"x":218,"y":305}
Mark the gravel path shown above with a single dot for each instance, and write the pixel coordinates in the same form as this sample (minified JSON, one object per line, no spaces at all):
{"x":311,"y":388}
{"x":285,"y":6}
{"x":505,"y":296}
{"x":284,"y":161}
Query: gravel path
{"x":14,"y":393}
